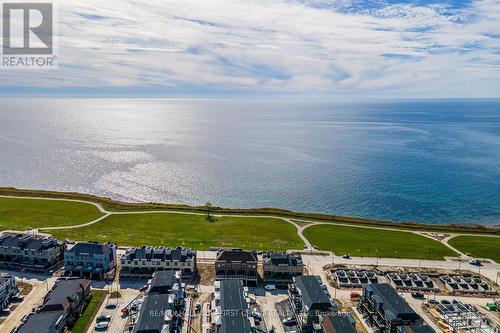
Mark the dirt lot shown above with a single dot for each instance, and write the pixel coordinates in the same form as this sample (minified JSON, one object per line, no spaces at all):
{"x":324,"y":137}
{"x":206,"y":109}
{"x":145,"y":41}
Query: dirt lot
{"x":197,"y":317}
{"x":207,"y":274}
{"x":24,"y":288}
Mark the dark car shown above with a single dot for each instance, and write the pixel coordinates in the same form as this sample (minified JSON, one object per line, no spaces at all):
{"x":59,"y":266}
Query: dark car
{"x":289,"y":321}
{"x":103,"y":318}
{"x":417,"y":294}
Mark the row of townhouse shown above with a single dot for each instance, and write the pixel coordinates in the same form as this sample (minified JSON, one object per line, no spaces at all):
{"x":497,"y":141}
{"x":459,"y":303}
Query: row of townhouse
{"x":314,"y":310}
{"x":62,"y":305}
{"x":387,"y":312}
{"x":22,"y":251}
{"x":139,"y":262}
{"x":98,"y":261}
{"x":43,"y":253}
{"x":279,"y":268}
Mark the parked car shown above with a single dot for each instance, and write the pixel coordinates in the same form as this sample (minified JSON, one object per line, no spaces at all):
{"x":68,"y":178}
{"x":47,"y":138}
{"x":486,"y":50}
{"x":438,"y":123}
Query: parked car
{"x":346,"y":256}
{"x":17,"y":299}
{"x":102,"y":326}
{"x":289,"y":321}
{"x":110,"y":306}
{"x":475,"y":262}
{"x":270,"y":287}
{"x":4,"y":313}
{"x":417,"y":294}
{"x":103,"y":318}
{"x":197,"y":308}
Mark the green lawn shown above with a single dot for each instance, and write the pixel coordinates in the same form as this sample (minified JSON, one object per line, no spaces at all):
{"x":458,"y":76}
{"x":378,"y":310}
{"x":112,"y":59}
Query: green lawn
{"x":193,"y":231}
{"x":90,"y":312}
{"x":479,"y":247}
{"x":375,"y":243}
{"x":21,"y":214}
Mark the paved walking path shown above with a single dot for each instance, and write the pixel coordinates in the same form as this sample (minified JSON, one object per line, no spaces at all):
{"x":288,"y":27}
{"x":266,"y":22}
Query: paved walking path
{"x":300,"y":224}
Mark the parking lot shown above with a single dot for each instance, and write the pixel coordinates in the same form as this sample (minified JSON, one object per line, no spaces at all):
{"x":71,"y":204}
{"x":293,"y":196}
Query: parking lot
{"x":112,"y":307}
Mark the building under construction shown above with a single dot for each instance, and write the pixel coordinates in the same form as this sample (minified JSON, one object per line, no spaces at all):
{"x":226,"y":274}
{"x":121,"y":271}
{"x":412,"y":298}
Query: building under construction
{"x":457,"y":317}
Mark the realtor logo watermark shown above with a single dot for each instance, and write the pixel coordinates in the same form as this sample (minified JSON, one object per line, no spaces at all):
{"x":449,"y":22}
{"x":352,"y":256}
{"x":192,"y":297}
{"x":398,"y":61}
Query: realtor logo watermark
{"x":28,"y":35}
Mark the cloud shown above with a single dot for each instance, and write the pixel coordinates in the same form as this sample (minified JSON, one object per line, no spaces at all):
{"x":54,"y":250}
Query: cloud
{"x":393,"y":48}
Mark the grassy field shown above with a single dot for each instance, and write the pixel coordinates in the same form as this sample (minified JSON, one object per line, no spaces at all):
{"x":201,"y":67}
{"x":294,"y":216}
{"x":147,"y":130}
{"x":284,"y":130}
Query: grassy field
{"x":375,"y":243}
{"x":480,"y":247}
{"x":21,"y":214}
{"x":114,"y":205}
{"x":194,"y":231}
{"x":90,"y":312}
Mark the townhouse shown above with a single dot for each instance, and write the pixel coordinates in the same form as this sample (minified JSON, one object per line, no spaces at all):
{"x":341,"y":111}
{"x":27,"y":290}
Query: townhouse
{"x":140,"y":262}
{"x":91,"y":260}
{"x":281,"y":268}
{"x":237,"y":264}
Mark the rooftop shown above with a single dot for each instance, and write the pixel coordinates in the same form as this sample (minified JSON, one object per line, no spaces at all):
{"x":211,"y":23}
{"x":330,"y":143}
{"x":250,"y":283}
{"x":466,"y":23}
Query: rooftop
{"x":27,"y":241}
{"x":282,"y":259}
{"x":5,"y":279}
{"x":152,"y":315}
{"x":237,"y":255}
{"x":159,"y":252}
{"x":338,"y":324}
{"x":41,"y":322}
{"x":232,"y":298}
{"x":163,"y":281}
{"x":63,"y":293}
{"x":312,"y":294}
{"x":92,"y":248}
{"x":393,"y":305}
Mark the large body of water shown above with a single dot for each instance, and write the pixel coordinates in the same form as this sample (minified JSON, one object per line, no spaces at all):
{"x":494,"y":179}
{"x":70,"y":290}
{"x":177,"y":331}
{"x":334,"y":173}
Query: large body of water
{"x":426,"y":161}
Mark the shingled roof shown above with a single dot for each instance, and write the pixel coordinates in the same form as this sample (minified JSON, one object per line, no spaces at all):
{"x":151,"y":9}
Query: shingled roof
{"x":237,"y":255}
{"x":312,"y":294}
{"x":42,"y":323}
{"x":393,"y":305}
{"x":152,"y":314}
{"x":27,"y":241}
{"x":63,"y":294}
{"x":234,"y":309}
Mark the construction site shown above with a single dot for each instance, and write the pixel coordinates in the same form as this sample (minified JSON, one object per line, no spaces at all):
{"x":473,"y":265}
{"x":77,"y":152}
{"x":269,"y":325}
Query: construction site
{"x":458,"y":317}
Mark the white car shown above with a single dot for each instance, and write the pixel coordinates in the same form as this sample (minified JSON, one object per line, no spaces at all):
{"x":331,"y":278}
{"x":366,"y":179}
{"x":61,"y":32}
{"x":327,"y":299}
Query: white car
{"x":102,"y":326}
{"x":475,"y":262}
{"x":270,"y":287}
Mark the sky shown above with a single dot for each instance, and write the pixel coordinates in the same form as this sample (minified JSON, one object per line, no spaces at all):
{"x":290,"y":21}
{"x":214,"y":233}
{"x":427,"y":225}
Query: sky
{"x":343,"y":48}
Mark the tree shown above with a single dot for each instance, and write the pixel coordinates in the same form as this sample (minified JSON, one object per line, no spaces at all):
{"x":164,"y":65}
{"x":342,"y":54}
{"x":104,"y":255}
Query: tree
{"x":208,"y":206}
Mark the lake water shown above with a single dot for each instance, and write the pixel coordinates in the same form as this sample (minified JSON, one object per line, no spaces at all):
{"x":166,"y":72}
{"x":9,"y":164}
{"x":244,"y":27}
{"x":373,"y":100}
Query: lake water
{"x":427,"y":161}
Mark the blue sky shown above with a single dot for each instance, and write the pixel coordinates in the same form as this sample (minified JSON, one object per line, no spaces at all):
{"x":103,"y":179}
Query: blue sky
{"x":343,"y":48}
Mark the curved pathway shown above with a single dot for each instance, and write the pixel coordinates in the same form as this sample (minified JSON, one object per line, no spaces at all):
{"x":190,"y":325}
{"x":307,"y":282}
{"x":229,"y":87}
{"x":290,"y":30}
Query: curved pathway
{"x":295,"y":222}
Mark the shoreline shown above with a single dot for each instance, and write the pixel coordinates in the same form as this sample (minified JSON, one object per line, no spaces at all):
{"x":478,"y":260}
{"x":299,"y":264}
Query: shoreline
{"x":115,"y":205}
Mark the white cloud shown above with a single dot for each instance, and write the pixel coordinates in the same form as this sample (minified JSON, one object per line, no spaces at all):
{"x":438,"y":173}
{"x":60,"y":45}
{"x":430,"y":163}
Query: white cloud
{"x":275,"y":46}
